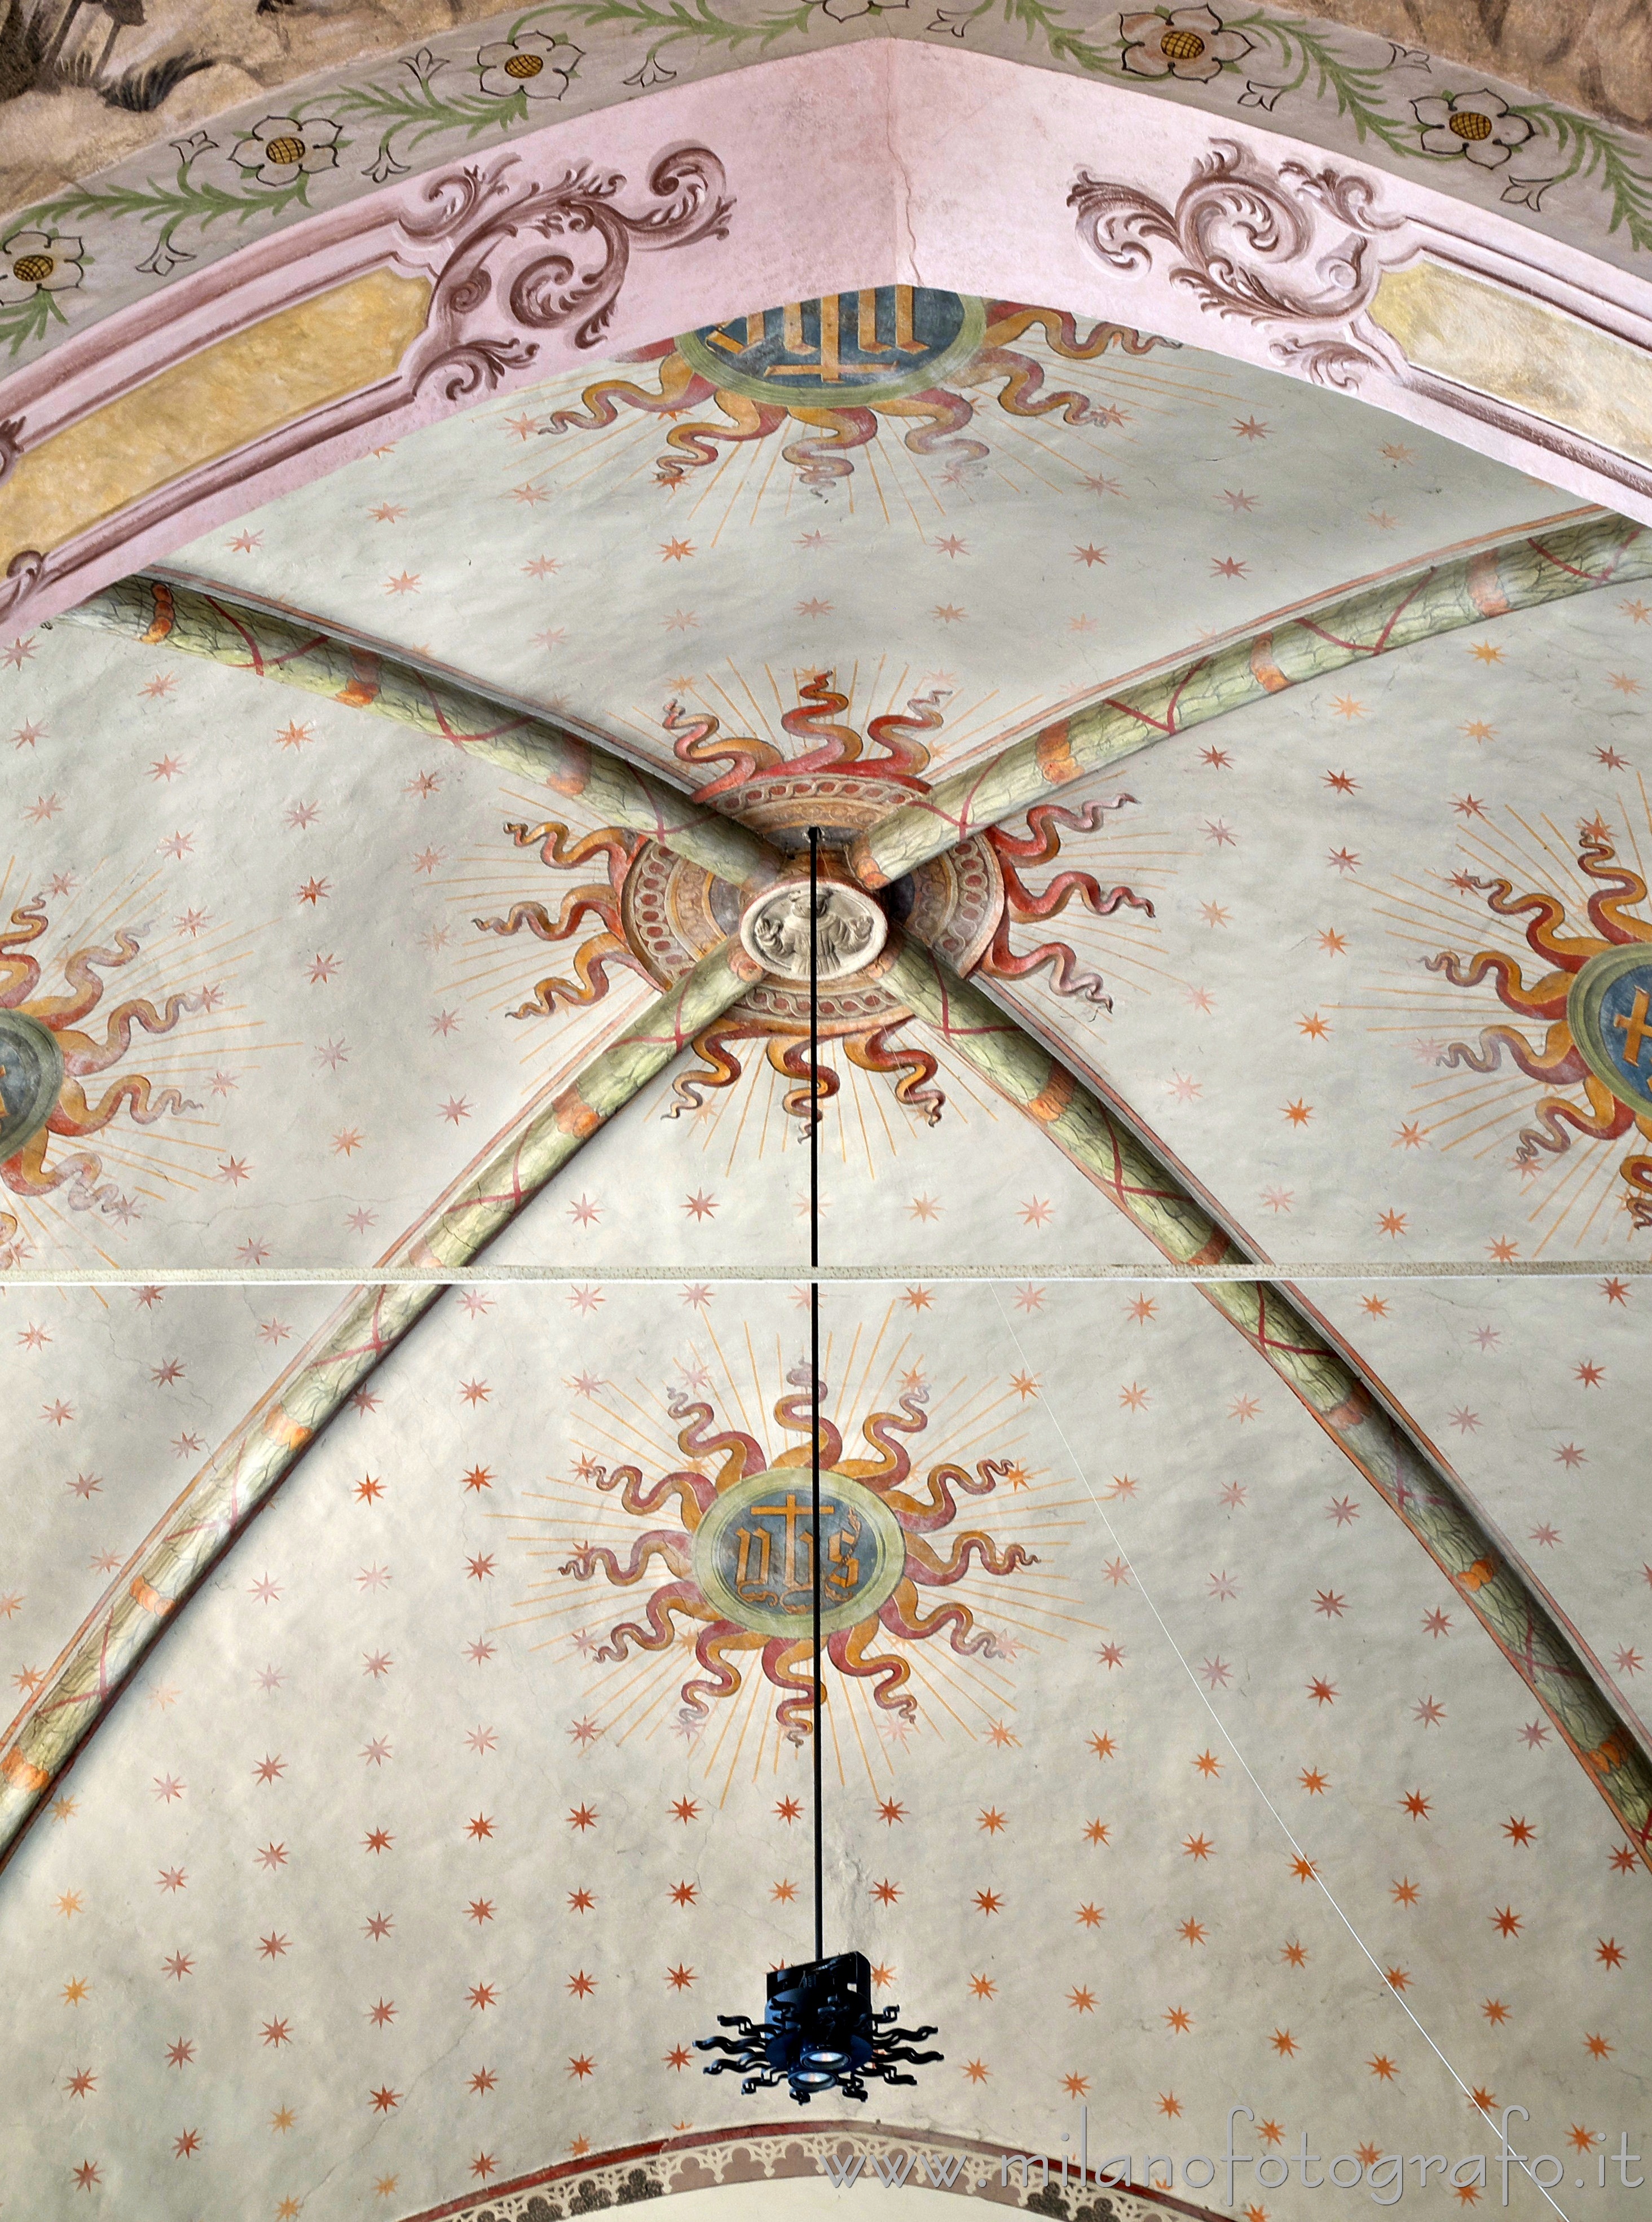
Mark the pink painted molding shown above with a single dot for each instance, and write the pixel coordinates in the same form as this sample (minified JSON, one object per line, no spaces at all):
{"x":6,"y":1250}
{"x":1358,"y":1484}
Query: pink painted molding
{"x":1297,"y":254}
{"x":512,"y":258}
{"x":874,"y":164}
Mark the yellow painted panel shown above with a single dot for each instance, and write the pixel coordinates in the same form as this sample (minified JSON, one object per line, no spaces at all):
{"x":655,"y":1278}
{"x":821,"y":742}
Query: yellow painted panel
{"x":230,"y":394}
{"x":1521,"y":352}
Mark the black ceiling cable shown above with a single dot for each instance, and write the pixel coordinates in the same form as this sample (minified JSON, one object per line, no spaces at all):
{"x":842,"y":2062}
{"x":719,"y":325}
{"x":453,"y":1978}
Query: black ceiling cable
{"x":819,"y":2031}
{"x":814,"y":1356}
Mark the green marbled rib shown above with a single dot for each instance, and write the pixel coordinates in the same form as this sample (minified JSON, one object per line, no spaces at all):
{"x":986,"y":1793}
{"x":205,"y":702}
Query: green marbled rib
{"x":1430,"y":1500}
{"x":243,"y":1471}
{"x":1521,"y":575}
{"x":223,"y":631}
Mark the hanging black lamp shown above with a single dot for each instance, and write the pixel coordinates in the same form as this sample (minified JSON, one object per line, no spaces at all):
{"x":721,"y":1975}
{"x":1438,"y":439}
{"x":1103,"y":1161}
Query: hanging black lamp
{"x":819,"y":2031}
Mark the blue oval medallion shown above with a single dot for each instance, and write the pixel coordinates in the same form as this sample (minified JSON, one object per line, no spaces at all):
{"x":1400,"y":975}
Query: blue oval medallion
{"x":1609,"y":1010}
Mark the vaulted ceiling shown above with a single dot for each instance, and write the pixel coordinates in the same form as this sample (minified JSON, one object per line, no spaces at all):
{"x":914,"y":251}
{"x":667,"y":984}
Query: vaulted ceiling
{"x":448,"y":577}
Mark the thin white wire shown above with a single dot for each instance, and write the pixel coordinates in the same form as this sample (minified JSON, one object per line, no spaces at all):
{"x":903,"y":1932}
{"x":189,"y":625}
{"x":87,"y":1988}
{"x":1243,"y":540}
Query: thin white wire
{"x":1227,"y":1737}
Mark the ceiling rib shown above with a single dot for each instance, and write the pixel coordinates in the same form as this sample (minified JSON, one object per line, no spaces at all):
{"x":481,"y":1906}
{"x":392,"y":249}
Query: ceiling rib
{"x":1410,"y":1477}
{"x":1518,"y":575}
{"x":318,"y":662}
{"x":243,"y":1473}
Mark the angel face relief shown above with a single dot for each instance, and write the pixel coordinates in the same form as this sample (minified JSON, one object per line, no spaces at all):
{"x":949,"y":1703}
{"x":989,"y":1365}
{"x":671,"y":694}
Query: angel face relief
{"x":849,"y":930}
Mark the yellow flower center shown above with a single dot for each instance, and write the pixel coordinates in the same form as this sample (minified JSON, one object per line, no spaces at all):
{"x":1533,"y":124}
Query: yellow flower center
{"x":285,"y":149}
{"x":1469,"y":124}
{"x":1181,"y":45}
{"x":34,"y":269}
{"x":521,"y":66}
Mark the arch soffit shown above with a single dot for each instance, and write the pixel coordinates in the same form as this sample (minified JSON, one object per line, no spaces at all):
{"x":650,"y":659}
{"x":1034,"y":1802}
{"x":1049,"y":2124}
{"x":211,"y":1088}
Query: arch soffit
{"x":301,"y":350}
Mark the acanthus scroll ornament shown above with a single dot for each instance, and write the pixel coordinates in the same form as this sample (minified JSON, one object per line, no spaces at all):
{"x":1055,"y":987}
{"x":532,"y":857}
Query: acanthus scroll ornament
{"x":1291,"y":247}
{"x":551,"y":255}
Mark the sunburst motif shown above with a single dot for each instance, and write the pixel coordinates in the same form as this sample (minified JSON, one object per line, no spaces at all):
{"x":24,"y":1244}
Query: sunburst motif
{"x":936,"y":1573}
{"x":1581,"y":1078}
{"x":832,"y":370}
{"x":1591,"y":1002}
{"x":656,"y":914}
{"x":46,"y":1057}
{"x":739,"y":1556}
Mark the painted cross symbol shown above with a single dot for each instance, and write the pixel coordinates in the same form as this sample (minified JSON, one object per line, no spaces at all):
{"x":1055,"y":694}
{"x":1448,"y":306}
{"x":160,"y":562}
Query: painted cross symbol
{"x":1636,"y":1027}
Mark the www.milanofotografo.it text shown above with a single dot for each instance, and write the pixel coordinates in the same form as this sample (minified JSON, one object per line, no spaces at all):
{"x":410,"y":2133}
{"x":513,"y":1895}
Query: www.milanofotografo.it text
{"x":1384,"y":2179}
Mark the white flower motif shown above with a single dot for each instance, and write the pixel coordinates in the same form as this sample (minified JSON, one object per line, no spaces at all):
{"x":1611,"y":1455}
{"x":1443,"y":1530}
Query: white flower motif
{"x":536,"y":63}
{"x":1188,"y":42}
{"x":37,"y":262}
{"x":1481,"y":125}
{"x":281,"y":149}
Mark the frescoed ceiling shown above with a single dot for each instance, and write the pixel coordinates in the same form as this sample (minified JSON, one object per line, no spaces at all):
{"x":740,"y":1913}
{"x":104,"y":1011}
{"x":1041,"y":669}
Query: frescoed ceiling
{"x":1235,"y":1170}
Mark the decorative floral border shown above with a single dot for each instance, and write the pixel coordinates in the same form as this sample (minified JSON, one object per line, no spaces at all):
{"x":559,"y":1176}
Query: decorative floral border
{"x":967,"y":2167}
{"x":343,"y":136}
{"x":264,"y":172}
{"x":1279,"y":58}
